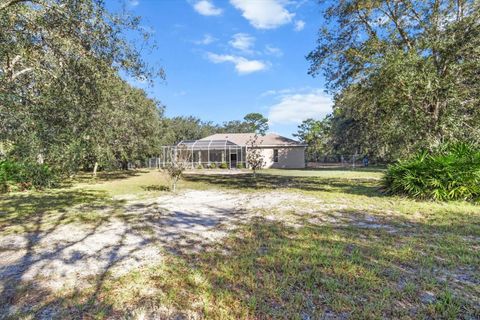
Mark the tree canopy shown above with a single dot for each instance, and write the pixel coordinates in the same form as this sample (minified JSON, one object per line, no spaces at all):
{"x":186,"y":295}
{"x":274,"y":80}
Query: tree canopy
{"x":256,"y":122}
{"x":61,"y":95}
{"x":316,"y":135}
{"x":404,"y":73}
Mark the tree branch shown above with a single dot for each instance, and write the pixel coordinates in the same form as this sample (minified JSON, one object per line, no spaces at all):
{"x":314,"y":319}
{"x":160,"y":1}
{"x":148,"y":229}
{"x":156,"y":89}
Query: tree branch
{"x":393,"y":16}
{"x":8,"y":3}
{"x":364,"y":20}
{"x":19,"y":73}
{"x":14,"y":61}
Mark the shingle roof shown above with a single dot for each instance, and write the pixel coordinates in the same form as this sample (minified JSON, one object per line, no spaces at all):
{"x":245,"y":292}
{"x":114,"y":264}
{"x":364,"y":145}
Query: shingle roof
{"x":242,"y":139}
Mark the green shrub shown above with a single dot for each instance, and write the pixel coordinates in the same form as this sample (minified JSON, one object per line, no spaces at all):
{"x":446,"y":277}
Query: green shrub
{"x":199,"y":166}
{"x":223,"y":165}
{"x":240,"y":166}
{"x":448,"y":173}
{"x":212,"y":166}
{"x":8,"y":173}
{"x":24,"y":175}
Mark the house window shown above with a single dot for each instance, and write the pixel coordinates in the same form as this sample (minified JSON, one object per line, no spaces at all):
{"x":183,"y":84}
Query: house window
{"x":275,"y":155}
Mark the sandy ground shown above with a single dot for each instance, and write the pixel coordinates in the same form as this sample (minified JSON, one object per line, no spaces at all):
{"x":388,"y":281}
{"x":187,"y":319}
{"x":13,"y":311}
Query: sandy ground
{"x":60,"y":256}
{"x":64,"y":255}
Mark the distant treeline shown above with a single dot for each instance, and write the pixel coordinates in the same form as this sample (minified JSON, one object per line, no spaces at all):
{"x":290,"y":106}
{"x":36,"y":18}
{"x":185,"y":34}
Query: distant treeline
{"x":177,"y":129}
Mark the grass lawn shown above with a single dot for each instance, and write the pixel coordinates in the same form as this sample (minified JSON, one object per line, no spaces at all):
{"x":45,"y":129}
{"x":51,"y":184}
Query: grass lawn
{"x":350,"y":253}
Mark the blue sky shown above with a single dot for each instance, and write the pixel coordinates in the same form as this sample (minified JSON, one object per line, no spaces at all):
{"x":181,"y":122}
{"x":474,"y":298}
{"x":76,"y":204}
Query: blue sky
{"x":226,"y":58}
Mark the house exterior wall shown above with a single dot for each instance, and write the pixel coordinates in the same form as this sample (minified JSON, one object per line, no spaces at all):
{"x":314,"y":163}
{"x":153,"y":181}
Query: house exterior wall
{"x":288,"y":157}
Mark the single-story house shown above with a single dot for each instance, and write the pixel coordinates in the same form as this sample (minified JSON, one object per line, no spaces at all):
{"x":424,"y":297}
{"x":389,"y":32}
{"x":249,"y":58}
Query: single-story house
{"x":232,"y":149}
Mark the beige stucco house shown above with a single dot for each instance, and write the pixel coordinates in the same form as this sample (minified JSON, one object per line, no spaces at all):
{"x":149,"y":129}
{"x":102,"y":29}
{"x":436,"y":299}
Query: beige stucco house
{"x":232,"y":149}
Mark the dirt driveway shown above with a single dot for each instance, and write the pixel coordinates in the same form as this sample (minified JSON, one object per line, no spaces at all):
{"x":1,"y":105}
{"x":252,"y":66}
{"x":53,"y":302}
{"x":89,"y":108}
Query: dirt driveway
{"x":63,"y":255}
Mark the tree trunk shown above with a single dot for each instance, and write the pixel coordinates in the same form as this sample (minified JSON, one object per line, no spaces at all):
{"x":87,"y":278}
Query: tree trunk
{"x":95,"y":168}
{"x":435,"y":128}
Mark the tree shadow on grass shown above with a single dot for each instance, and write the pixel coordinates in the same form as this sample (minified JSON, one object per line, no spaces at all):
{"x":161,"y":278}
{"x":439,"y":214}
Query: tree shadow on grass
{"x":365,"y":187}
{"x":35,"y":219}
{"x":21,"y":209}
{"x":155,"y":187}
{"x":373,"y":169}
{"x":182,"y":230}
{"x":268,"y":269}
{"x":116,"y":175}
{"x":103,"y":176}
{"x":32,"y":257}
{"x":352,"y":269}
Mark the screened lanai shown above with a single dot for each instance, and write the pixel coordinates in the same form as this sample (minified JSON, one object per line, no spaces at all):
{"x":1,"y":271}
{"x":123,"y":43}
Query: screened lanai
{"x":206,"y":153}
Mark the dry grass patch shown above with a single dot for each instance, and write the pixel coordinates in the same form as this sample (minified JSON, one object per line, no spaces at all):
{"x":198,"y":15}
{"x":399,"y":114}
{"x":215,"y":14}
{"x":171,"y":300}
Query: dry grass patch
{"x":334,"y":248}
{"x":271,"y":270}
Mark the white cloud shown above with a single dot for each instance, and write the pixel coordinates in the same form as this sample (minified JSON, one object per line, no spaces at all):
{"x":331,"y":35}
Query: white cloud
{"x":299,"y":25}
{"x":180,"y":93}
{"x":207,"y":8}
{"x":268,"y":93}
{"x":134,"y":3}
{"x":283,"y":92}
{"x":242,"y":65}
{"x":293,"y":108}
{"x":207,"y":39}
{"x":273,"y":51}
{"x":264,"y":14}
{"x":242,"y":42}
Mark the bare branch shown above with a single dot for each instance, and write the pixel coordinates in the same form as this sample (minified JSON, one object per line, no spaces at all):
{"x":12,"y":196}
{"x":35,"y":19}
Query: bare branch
{"x":369,"y":28}
{"x":180,"y":160}
{"x":19,"y":73}
{"x":392,"y":14}
{"x":15,"y":60}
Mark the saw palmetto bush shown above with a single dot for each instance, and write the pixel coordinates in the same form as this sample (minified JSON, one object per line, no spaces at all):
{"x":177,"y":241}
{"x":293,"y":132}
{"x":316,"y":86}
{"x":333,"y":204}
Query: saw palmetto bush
{"x":451,"y":172}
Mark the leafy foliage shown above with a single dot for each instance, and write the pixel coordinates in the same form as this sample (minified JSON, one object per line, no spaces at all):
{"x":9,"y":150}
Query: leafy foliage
{"x":404,"y":73}
{"x":223,"y":165}
{"x":176,"y":129}
{"x":257,"y":123}
{"x":173,"y":130}
{"x":234,"y":126}
{"x":449,"y":173}
{"x":316,"y":134}
{"x":22,"y":176}
{"x":61,"y":94}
